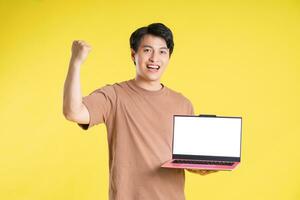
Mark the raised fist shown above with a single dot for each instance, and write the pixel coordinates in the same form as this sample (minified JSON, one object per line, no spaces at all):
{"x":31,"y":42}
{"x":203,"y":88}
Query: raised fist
{"x":80,"y":50}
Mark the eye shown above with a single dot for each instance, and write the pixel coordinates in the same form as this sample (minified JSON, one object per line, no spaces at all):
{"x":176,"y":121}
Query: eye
{"x":146,"y":50}
{"x":163,"y":52}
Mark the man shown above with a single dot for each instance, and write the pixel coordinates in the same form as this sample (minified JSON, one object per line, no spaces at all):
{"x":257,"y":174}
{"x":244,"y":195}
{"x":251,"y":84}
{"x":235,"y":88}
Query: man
{"x":138,"y":116}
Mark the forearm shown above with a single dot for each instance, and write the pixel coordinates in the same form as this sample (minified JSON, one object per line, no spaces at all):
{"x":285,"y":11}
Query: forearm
{"x":72,"y":97}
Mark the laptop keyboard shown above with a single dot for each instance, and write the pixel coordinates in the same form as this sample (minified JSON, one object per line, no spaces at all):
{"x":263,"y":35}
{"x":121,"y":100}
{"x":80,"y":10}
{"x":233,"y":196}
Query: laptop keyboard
{"x":203,"y":162}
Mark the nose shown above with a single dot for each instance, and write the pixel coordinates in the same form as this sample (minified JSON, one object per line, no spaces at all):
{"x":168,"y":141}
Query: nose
{"x":153,"y":57}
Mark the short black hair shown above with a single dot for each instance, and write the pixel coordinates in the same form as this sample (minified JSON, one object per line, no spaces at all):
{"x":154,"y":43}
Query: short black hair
{"x":156,"y":29}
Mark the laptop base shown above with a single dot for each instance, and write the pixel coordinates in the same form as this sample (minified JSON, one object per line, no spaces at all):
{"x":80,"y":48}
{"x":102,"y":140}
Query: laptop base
{"x":170,"y":164}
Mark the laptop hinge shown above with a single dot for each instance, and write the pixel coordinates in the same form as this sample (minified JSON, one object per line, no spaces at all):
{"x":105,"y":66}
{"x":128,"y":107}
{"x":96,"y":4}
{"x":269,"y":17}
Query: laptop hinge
{"x":205,"y":115}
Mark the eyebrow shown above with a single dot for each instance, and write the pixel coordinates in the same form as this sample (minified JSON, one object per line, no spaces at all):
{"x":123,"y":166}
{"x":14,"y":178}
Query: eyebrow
{"x":152,"y":47}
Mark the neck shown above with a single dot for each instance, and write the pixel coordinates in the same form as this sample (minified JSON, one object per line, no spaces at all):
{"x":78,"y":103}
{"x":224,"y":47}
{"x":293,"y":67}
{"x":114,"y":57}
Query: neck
{"x":148,"y":85}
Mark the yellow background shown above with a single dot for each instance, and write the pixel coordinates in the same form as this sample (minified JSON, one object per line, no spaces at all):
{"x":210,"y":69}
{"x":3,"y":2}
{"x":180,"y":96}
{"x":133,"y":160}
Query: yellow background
{"x":230,"y":58}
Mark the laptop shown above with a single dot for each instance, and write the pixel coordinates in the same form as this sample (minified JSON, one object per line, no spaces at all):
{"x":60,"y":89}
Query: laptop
{"x":207,"y":142}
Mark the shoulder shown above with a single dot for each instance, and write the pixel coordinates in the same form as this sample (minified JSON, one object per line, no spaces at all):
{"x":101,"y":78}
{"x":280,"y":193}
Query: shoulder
{"x":113,"y":91}
{"x":182,"y":101}
{"x":178,"y":95}
{"x":111,"y":87}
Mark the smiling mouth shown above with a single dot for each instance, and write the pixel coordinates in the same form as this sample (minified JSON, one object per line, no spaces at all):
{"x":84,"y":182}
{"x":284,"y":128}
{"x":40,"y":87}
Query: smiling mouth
{"x":153,"y":67}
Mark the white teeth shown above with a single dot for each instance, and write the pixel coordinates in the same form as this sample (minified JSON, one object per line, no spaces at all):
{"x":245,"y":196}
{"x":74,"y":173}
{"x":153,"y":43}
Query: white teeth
{"x":153,"y":66}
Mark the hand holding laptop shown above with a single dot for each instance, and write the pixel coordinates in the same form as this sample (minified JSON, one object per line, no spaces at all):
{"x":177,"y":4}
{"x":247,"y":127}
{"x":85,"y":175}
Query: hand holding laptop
{"x":201,"y":172}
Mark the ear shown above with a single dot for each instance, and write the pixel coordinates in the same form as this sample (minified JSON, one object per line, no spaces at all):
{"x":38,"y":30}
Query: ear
{"x":132,"y":55}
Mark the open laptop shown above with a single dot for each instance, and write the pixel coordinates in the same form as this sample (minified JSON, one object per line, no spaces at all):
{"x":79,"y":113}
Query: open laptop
{"x":207,"y":142}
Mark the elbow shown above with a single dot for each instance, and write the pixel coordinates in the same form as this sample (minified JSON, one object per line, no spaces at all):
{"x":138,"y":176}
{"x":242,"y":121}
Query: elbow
{"x":71,"y":114}
{"x":67,"y":114}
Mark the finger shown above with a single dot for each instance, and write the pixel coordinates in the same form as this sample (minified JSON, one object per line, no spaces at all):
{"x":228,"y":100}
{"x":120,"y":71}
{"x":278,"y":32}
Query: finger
{"x":203,"y":172}
{"x":212,"y":171}
{"x":81,"y":42}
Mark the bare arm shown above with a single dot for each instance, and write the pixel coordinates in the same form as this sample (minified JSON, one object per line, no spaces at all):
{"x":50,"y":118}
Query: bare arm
{"x":73,"y":108}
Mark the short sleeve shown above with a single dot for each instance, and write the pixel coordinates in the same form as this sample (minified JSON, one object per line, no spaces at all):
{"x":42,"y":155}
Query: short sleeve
{"x":99,"y":104}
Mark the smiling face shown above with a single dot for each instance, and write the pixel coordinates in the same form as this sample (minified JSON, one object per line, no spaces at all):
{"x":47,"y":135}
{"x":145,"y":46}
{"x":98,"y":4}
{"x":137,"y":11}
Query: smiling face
{"x":151,"y":58}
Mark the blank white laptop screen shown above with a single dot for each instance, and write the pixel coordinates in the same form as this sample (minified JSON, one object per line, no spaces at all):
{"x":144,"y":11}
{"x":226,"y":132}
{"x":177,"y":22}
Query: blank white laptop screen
{"x":207,"y":136}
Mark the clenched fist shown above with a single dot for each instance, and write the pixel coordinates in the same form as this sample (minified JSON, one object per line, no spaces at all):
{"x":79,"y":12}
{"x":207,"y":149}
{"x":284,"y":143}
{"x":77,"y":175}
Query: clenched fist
{"x":80,"y":50}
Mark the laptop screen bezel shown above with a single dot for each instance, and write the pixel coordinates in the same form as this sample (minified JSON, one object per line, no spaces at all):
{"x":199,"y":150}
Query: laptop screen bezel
{"x":206,"y":157}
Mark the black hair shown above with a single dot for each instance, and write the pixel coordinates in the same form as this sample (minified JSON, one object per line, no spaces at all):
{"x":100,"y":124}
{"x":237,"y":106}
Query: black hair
{"x":156,"y":29}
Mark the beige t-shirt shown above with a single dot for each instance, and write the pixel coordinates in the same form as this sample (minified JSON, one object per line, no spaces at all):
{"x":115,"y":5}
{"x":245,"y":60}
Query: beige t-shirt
{"x":139,"y":127}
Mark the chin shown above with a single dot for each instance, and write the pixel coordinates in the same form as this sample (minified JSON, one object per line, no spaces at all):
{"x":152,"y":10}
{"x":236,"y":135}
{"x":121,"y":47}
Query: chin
{"x":151,"y":78}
